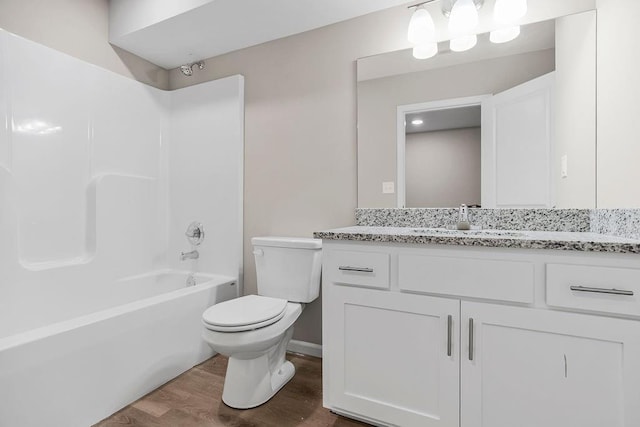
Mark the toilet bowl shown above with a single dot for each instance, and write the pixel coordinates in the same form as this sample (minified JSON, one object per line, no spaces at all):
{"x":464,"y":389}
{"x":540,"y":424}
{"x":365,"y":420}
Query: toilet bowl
{"x":253,"y":331}
{"x":257,"y":368}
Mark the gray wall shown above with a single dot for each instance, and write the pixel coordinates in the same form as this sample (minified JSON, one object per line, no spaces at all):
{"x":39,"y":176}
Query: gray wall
{"x":379,"y":98}
{"x":575,"y":94}
{"x":442,"y":168}
{"x":79,"y":28}
{"x":618,"y":106}
{"x":300,"y":133}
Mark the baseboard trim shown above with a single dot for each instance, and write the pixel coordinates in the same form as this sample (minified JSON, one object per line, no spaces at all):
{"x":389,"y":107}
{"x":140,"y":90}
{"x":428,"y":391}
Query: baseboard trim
{"x":303,"y":347}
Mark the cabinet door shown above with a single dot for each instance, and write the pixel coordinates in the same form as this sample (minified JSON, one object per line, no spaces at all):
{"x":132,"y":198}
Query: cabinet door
{"x":393,"y":357}
{"x":535,"y":368}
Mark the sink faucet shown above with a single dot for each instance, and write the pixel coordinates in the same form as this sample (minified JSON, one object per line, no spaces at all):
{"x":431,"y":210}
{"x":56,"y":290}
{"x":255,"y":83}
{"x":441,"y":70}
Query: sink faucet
{"x":189,"y":255}
{"x":463,"y":218}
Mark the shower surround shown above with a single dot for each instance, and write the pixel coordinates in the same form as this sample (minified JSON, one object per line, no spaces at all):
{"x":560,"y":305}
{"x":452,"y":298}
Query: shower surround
{"x":100,"y":176}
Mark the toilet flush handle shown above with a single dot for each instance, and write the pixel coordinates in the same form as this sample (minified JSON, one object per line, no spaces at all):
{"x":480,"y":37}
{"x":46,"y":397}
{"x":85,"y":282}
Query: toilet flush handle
{"x":258,"y":252}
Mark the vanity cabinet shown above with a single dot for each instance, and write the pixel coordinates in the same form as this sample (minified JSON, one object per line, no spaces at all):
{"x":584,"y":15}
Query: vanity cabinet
{"x":534,"y":368}
{"x":419,"y":336}
{"x":394,"y":357}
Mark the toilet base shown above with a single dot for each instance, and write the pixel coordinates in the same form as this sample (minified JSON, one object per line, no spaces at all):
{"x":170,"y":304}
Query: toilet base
{"x":250,"y":382}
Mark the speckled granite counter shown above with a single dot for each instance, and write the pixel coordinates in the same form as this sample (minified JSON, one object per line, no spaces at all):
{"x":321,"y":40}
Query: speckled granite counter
{"x":500,"y":219}
{"x":569,"y":241}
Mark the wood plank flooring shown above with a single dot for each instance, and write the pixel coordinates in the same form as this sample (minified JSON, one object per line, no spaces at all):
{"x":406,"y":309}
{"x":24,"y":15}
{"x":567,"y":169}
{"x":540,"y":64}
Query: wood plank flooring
{"x":194,"y":399}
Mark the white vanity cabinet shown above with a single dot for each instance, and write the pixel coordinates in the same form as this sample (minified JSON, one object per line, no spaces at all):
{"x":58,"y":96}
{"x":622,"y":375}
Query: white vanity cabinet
{"x":394,"y":357}
{"x":534,"y":368}
{"x":453,"y":336}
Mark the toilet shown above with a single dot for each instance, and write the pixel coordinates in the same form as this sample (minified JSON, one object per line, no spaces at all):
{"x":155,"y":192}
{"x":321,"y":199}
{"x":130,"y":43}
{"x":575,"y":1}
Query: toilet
{"x":254,"y":330}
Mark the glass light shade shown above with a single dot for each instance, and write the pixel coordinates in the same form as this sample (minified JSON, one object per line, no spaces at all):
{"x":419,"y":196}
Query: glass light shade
{"x":421,"y":27}
{"x":504,"y":35}
{"x":463,"y":18}
{"x":509,"y":11}
{"x":425,"y":50}
{"x":462,"y":43}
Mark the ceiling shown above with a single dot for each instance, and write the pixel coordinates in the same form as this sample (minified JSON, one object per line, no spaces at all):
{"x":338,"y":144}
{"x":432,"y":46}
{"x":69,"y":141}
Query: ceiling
{"x":444,"y":119}
{"x":209,"y":28}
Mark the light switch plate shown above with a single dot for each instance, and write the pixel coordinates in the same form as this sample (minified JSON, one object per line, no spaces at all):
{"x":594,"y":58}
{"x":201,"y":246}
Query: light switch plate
{"x":388,"y":187}
{"x":563,"y":167}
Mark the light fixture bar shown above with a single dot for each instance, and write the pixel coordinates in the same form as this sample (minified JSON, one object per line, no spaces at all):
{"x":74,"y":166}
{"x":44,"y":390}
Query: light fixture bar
{"x":421,"y":3}
{"x":447,"y":6}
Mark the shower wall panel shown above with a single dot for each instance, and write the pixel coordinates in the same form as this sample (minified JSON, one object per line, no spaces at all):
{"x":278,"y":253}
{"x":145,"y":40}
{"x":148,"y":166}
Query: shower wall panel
{"x":69,"y":123}
{"x":100,"y":176}
{"x":206,"y":166}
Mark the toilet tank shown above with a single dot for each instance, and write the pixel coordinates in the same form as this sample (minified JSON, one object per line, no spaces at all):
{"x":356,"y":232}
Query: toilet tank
{"x":288,"y":267}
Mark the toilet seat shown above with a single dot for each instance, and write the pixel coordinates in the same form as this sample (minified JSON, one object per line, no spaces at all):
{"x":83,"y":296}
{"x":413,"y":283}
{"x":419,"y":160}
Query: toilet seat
{"x":244,"y":313}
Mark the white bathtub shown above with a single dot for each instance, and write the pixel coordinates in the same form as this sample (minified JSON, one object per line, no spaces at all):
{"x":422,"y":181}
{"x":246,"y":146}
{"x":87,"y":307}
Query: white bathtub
{"x":78,"y":371}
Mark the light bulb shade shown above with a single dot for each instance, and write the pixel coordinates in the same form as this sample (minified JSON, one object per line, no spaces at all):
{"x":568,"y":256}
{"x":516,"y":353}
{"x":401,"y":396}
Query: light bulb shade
{"x":463,"y":18}
{"x":421,"y":27}
{"x":462,"y":43}
{"x":509,"y":11}
{"x":504,"y":35}
{"x":425,"y":50}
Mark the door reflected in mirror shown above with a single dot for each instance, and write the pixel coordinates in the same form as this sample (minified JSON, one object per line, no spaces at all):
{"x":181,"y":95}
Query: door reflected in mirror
{"x":502,"y":126}
{"x":441,"y":142}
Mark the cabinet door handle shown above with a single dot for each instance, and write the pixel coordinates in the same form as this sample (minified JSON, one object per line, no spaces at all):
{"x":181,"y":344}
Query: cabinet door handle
{"x":360,"y":269}
{"x":449,"y":333}
{"x":601,"y":290}
{"x":470,"y":338}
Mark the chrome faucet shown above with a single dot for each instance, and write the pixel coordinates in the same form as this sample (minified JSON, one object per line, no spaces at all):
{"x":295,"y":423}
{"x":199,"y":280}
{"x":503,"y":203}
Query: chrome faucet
{"x":463,"y":213}
{"x":189,"y":255}
{"x":463,"y":218}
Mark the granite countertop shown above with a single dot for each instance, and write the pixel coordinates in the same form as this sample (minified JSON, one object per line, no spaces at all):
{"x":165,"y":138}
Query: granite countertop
{"x":569,"y":241}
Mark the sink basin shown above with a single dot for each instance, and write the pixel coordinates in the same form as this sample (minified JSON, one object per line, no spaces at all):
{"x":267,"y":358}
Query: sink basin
{"x":470,"y":233}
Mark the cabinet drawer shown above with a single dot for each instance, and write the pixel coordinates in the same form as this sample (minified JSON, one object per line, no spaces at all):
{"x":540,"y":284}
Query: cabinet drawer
{"x":603,"y":289}
{"x":368,"y":269}
{"x":478,"y":278}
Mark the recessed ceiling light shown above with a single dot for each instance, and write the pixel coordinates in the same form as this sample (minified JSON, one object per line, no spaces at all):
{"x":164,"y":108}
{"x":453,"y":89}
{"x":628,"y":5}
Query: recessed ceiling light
{"x":417,"y":122}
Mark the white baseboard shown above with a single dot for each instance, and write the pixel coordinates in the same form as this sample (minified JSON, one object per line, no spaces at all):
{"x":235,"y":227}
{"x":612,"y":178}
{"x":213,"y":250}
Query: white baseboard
{"x":303,"y":347}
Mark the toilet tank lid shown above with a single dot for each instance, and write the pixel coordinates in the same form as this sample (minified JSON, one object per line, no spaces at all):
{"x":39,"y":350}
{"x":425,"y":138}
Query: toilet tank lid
{"x":287,"y":242}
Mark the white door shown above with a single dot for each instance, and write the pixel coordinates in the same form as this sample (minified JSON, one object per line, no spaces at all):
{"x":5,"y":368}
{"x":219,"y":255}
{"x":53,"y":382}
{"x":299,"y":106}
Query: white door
{"x":394,"y":357}
{"x":539,"y":368}
{"x":517,"y":144}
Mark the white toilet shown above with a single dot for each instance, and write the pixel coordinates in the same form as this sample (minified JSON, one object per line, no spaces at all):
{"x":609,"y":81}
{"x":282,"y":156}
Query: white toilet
{"x":254,"y":330}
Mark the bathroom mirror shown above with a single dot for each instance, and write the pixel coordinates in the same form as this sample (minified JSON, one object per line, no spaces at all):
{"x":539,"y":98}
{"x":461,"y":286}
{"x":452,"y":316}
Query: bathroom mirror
{"x":509,"y":125}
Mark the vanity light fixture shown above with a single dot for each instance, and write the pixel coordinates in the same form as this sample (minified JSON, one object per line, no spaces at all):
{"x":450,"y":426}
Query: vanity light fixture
{"x":462,"y":43}
{"x":422,"y":33}
{"x":464,"y":18}
{"x":507,"y":12}
{"x":425,"y":50}
{"x":463,"y":22}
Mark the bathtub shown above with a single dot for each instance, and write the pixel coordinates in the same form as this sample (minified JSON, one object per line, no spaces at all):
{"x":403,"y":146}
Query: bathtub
{"x":78,"y":371}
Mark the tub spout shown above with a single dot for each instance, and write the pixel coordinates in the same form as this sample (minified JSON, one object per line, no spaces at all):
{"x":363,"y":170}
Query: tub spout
{"x":189,"y":255}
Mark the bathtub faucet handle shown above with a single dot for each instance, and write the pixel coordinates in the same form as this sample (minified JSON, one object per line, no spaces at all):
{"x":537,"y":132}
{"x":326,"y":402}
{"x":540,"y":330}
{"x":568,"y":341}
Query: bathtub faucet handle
{"x":195,"y":233}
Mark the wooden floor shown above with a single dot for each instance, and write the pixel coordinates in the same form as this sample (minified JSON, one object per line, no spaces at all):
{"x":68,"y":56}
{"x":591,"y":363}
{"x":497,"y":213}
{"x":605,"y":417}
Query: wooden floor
{"x":194,"y":399}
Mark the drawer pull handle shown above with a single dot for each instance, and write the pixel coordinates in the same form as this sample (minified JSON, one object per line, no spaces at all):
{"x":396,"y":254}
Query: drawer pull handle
{"x":359,"y":269}
{"x":601,"y":290}
{"x":449,"y":333}
{"x":470,"y":338}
